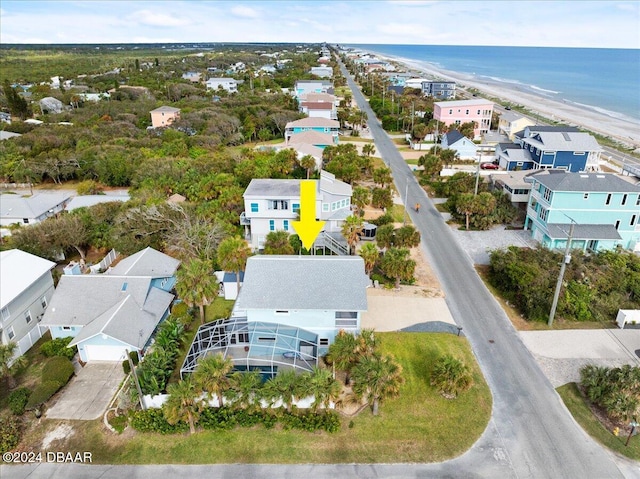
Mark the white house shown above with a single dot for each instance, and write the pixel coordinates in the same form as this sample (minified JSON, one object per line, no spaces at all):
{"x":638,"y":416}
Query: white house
{"x":322,"y":71}
{"x":32,"y":209}
{"x":107,"y":314}
{"x":272,"y":205}
{"x":288,"y":312}
{"x":27,"y":287}
{"x":228,"y":84}
{"x":50,"y":104}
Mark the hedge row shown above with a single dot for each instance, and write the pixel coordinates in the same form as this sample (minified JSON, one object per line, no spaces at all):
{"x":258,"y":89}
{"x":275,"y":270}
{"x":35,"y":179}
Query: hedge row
{"x":153,"y":420}
{"x":56,"y":373}
{"x":59,"y":347}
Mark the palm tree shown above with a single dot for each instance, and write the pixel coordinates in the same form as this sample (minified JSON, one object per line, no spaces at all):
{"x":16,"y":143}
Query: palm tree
{"x":451,"y":376}
{"x":196,"y":285}
{"x":464,"y":206}
{"x":308,"y":162}
{"x":183,"y":404}
{"x":321,"y":384}
{"x":376,"y":378}
{"x":369,"y":149}
{"x":232,"y":256}
{"x":382,"y":176}
{"x":397,"y":264}
{"x":366,"y":342}
{"x":351,"y":230}
{"x":342,"y":353}
{"x":286,"y":385}
{"x":277,"y":242}
{"x":360,"y":198}
{"x":243,"y":388}
{"x":8,"y":364}
{"x":210,"y":376}
{"x":370,"y":254}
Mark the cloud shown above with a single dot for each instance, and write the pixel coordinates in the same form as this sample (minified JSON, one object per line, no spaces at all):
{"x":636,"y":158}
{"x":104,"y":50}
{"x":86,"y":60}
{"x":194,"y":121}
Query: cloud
{"x":155,"y":19}
{"x":406,"y":29}
{"x":245,"y":12}
{"x":412,"y":3}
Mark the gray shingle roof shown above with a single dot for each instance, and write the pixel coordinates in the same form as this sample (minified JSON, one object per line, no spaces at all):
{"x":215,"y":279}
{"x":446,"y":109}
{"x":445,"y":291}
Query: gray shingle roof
{"x":148,"y":262}
{"x":303,"y":283}
{"x":15,"y":206}
{"x":18,"y":271}
{"x":558,"y":180}
{"x":563,"y":141}
{"x":329,"y":184}
{"x":583,"y":232}
{"x":266,"y":187}
{"x":453,"y":136}
{"x":317,"y":122}
{"x":166,"y":109}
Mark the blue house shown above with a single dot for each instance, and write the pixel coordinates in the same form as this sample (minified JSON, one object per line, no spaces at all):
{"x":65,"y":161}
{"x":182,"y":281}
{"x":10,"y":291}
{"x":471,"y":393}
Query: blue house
{"x":605,"y":209}
{"x":317,"y":124}
{"x":288,"y":312}
{"x":464,"y":147}
{"x":107,"y":314}
{"x":556,"y":147}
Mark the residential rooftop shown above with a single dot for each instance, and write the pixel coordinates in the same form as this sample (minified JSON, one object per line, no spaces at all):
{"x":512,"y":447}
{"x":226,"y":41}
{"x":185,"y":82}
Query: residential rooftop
{"x":18,"y":271}
{"x":559,"y":180}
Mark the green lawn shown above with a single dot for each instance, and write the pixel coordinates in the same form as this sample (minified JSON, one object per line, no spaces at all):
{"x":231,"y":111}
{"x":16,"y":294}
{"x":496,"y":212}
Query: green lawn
{"x":220,"y":308}
{"x":578,"y":407}
{"x":419,"y":426}
{"x":398,"y":213}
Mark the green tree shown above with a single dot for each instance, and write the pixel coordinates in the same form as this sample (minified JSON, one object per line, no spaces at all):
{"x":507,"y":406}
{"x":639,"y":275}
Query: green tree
{"x":360,"y":199}
{"x":17,"y":105}
{"x":376,"y":378}
{"x":8,"y":364}
{"x":277,"y":242}
{"x":407,"y":237}
{"x":382,"y":176}
{"x":308,"y":162}
{"x":368,"y":149}
{"x":382,"y":198}
{"x":343,"y":354}
{"x":451,"y":376}
{"x":320,"y":384}
{"x":211,"y":376}
{"x":351,"y":230}
{"x":432,"y":165}
{"x":286,"y":386}
{"x":397,"y":264}
{"x":465,"y":206}
{"x":195,"y":284}
{"x":244,"y":388}
{"x":183,"y":404}
{"x":233,"y":253}
{"x":385,"y":236}
{"x":370,"y":254}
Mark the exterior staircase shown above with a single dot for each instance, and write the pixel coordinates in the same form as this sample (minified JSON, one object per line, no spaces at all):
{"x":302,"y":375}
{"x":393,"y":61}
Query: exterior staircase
{"x":334,"y":242}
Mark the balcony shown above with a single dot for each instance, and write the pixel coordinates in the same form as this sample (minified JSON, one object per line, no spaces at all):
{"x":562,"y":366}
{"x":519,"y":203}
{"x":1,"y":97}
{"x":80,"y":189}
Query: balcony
{"x":244,"y":221}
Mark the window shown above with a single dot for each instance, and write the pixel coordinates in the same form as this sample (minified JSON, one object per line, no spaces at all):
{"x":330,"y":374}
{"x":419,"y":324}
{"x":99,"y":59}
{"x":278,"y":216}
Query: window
{"x":272,"y":225}
{"x":27,"y":317}
{"x":266,"y":338}
{"x":282,"y":311}
{"x":478,"y":112}
{"x":324,"y":341}
{"x":633,"y":220}
{"x":547,"y":194}
{"x":450,"y":112}
{"x":254,"y":207}
{"x":296,"y":207}
{"x":608,"y":200}
{"x":25,"y":221}
{"x":346,"y":314}
{"x":617,"y":224}
{"x":285,"y":225}
{"x":66,"y":328}
{"x":346,"y":323}
{"x":5,"y":313}
{"x":543,"y":214}
{"x":43,"y":302}
{"x":586,"y":196}
{"x":466,"y":112}
{"x":11,"y":334}
{"x":243,"y":337}
{"x":325,"y":206}
{"x":278,"y":204}
{"x":638,"y":201}
{"x":624,"y":200}
{"x":334,"y":206}
{"x":578,"y":153}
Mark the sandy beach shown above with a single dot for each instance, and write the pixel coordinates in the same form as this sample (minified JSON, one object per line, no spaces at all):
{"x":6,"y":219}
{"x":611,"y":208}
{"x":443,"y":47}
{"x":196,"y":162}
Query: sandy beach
{"x":622,"y":128}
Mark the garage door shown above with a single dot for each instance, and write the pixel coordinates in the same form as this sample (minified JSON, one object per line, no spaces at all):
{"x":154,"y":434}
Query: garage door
{"x":105,"y":353}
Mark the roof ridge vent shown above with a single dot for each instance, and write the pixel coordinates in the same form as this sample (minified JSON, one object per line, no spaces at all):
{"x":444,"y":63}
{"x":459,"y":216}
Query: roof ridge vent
{"x":600,"y":176}
{"x":584,"y":176}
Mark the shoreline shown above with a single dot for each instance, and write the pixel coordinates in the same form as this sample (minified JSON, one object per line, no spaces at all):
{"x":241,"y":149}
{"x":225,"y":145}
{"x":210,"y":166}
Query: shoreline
{"x":623,"y":129}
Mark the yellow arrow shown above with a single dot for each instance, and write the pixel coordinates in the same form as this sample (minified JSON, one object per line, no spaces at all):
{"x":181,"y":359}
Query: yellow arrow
{"x":308,"y":228}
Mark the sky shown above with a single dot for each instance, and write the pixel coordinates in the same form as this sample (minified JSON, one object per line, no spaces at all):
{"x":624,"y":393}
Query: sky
{"x":573,"y":23}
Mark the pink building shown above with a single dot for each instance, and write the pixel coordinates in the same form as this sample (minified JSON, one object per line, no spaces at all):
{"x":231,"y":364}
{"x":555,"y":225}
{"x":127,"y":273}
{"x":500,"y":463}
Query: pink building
{"x":464,"y":111}
{"x":164,"y":116}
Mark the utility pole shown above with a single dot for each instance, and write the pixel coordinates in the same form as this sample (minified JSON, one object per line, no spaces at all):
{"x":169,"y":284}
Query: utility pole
{"x":475,"y":191}
{"x":406,"y":203}
{"x":565,"y":262}
{"x":135,"y":380}
{"x":413,"y":115}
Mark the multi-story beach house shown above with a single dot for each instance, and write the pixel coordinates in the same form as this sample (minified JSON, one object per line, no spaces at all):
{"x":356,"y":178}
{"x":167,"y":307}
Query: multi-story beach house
{"x":164,"y":116}
{"x":464,"y":111}
{"x":439,"y":89}
{"x":228,"y":84}
{"x":322,"y":71}
{"x":604,"y":208}
{"x":27,"y":287}
{"x":272,"y":205}
{"x":511,"y":122}
{"x":550,"y":147}
{"x":319,"y":109}
{"x":302,"y":87}
{"x":288,"y":312}
{"x":317,"y":124}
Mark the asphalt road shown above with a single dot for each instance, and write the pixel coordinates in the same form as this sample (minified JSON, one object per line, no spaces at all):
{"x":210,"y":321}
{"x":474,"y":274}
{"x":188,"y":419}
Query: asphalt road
{"x":530,"y":435}
{"x":531,"y":430}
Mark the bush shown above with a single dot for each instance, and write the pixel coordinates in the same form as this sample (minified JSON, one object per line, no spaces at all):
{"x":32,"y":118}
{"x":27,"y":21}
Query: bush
{"x":152,"y":420}
{"x":135,"y":359}
{"x":18,"y":400}
{"x":88,"y":187}
{"x":42,"y":393}
{"x":180,"y":309}
{"x":126,"y":367}
{"x":9,"y":433}
{"x":451,"y":376}
{"x":382,"y":220}
{"x":58,"y":369}
{"x":58,"y":347}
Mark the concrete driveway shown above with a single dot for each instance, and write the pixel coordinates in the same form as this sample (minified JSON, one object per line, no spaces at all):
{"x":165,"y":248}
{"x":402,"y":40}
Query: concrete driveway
{"x":89,"y":392}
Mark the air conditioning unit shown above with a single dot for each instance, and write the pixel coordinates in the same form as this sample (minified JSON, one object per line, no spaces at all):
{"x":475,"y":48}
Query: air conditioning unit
{"x":39,"y":317}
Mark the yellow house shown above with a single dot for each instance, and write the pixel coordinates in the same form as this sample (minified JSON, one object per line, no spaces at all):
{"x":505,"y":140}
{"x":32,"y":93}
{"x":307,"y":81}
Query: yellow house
{"x":164,"y":116}
{"x":511,"y":123}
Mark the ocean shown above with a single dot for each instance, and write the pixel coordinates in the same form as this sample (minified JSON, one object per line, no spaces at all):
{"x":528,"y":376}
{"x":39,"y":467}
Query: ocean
{"x":604,"y":79}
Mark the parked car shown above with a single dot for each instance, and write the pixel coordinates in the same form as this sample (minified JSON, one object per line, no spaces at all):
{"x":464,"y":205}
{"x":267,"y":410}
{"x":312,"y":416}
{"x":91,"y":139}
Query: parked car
{"x":489,"y":166}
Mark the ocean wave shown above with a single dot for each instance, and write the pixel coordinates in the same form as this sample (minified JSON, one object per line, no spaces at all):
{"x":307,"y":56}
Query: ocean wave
{"x":533,"y":87}
{"x":604,"y":111}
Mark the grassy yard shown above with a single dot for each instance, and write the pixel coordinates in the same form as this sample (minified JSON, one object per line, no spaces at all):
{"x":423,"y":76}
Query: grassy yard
{"x":419,"y":426}
{"x":576,"y":403}
{"x":398,"y":213}
{"x":220,"y":308}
